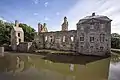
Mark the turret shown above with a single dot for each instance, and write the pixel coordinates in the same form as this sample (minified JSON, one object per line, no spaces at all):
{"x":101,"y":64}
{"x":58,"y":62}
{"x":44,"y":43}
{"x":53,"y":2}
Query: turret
{"x":16,"y":23}
{"x":39,"y":27}
{"x":65,"y":24}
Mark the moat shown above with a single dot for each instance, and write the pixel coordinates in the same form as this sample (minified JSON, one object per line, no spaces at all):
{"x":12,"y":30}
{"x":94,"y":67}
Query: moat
{"x":19,"y":66}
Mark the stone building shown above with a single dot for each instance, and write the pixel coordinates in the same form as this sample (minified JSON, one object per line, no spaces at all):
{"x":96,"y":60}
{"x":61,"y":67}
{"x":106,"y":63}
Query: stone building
{"x":42,"y":28}
{"x":17,"y":35}
{"x":92,"y":37}
{"x":65,"y":24}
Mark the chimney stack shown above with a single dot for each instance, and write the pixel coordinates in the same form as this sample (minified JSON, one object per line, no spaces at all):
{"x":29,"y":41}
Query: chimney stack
{"x":16,"y":23}
{"x":39,"y":27}
{"x":93,"y":14}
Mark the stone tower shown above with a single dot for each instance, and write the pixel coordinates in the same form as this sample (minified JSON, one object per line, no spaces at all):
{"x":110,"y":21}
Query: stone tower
{"x":17,"y":35}
{"x":65,"y":24}
{"x":39,"y":27}
{"x":42,"y":28}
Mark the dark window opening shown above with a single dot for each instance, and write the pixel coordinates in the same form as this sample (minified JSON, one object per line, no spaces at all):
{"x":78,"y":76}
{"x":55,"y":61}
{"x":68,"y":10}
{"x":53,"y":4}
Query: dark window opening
{"x":51,"y":40}
{"x":101,"y":48}
{"x":81,"y":38}
{"x":91,"y":46}
{"x":19,"y":40}
{"x":18,"y":34}
{"x":91,"y":39}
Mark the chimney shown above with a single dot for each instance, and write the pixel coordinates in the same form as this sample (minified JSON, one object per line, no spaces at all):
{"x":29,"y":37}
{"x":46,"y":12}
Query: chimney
{"x":93,"y":14}
{"x":39,"y":27}
{"x":44,"y":24}
{"x":16,"y":23}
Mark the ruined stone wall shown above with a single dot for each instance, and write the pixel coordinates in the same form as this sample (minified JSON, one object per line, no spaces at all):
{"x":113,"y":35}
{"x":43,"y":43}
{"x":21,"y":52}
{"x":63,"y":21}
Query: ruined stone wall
{"x":59,"y":40}
{"x":24,"y":47}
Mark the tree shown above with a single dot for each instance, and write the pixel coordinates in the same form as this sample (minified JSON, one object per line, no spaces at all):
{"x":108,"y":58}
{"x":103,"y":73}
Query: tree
{"x":115,"y":40}
{"x":5,"y":29}
{"x":29,"y":32}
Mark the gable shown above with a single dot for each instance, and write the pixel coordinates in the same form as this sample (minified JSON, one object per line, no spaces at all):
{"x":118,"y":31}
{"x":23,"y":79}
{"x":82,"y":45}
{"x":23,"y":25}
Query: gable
{"x":18,"y":29}
{"x":92,"y":21}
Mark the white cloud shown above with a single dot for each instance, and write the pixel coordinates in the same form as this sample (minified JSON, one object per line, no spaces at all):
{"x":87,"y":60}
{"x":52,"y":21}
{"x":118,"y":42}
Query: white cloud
{"x":46,"y":18}
{"x":36,"y":1}
{"x":46,"y":4}
{"x":82,"y":8}
{"x":35,"y":14}
{"x":1,"y":18}
{"x":57,"y":13}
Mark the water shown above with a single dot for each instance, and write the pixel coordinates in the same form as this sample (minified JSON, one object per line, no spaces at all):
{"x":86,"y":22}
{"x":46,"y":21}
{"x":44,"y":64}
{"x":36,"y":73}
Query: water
{"x":54,"y":67}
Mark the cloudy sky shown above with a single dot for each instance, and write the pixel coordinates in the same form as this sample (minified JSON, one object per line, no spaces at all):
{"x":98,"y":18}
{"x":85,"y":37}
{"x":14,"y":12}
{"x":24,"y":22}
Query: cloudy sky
{"x":52,"y":11}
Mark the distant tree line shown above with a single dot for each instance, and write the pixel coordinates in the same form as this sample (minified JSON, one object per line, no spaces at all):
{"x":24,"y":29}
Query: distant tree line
{"x":115,"y":40}
{"x":5,"y":30}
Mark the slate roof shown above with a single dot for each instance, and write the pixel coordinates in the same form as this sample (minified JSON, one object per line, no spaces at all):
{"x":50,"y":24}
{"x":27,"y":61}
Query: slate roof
{"x":98,"y":17}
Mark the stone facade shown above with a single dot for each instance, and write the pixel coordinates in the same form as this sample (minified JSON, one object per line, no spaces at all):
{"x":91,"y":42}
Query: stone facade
{"x":65,"y":24}
{"x":24,"y":47}
{"x":1,"y":51}
{"x":92,"y":37}
{"x":42,"y":28}
{"x":17,"y":36}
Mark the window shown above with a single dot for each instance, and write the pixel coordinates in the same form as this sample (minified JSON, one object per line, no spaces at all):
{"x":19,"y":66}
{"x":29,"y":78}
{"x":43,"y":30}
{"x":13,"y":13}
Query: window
{"x":19,"y":40}
{"x":82,"y":28}
{"x":81,"y":38}
{"x":45,"y":38}
{"x":72,"y":38}
{"x":51,"y":40}
{"x":91,"y":46}
{"x":18,"y":34}
{"x":91,"y":39}
{"x":92,"y":26}
{"x":102,"y":26}
{"x":101,"y":48}
{"x":102,"y":37}
{"x":63,"y":38}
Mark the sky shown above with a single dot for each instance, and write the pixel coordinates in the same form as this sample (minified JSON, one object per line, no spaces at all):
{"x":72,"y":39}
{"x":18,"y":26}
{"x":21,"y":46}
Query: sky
{"x":52,"y":12}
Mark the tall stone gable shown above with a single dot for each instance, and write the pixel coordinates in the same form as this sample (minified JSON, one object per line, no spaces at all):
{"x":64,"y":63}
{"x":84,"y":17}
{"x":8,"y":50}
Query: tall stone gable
{"x":17,"y":35}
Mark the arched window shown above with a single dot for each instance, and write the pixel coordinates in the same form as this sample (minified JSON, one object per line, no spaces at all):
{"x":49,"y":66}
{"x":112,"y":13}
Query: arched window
{"x":45,"y":38}
{"x":63,"y":38}
{"x":102,"y":37}
{"x":72,"y":38}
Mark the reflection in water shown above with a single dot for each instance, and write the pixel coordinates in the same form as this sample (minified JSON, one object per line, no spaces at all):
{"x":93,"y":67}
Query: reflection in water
{"x":71,"y":67}
{"x":114,"y":73}
{"x":54,"y":67}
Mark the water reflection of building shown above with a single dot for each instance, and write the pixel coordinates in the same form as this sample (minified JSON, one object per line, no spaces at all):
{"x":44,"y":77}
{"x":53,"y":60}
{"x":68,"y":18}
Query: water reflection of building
{"x":68,"y":69}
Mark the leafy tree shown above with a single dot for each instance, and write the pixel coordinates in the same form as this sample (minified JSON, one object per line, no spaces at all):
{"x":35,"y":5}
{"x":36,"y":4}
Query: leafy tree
{"x":29,"y":32}
{"x":5,"y":29}
{"x":115,"y":40}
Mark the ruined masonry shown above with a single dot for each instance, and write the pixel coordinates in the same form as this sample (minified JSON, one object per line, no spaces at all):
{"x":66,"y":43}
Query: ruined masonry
{"x":92,"y":37}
